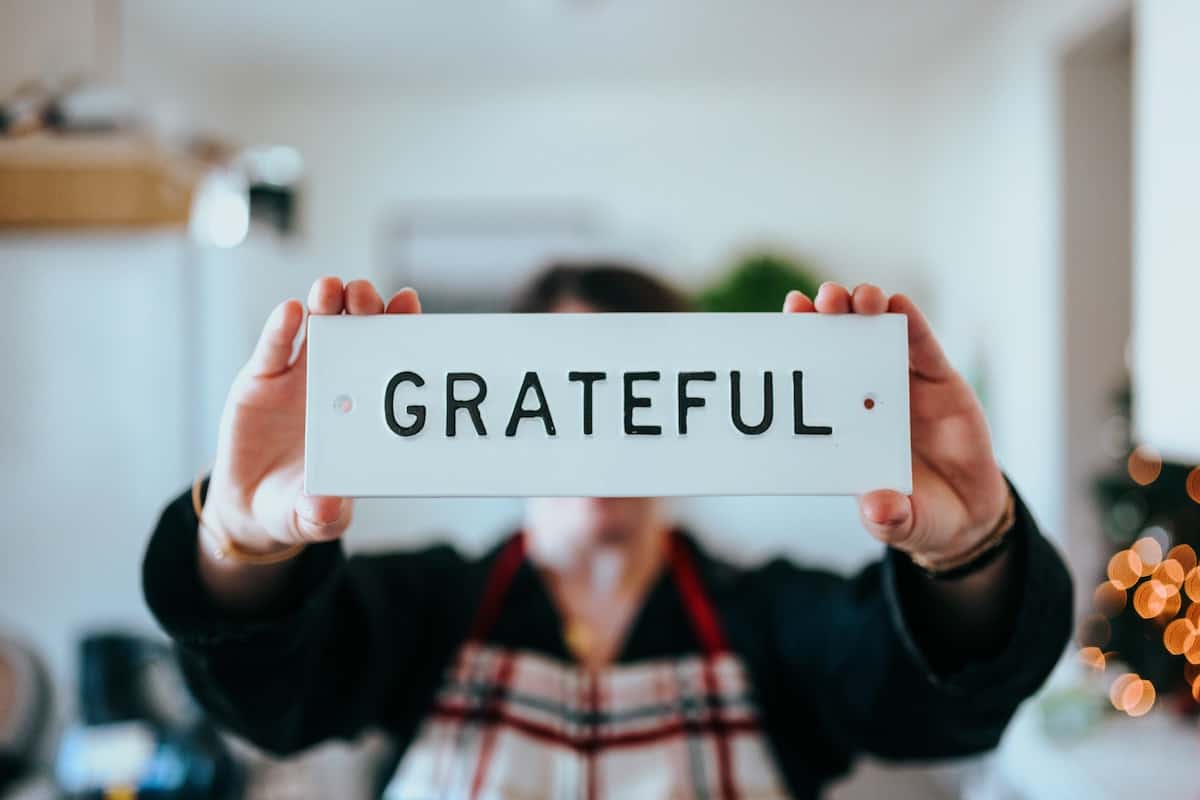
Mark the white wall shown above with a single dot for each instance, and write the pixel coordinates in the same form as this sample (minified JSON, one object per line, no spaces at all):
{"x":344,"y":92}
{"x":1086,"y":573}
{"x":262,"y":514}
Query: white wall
{"x":94,"y":426}
{"x":694,"y":171}
{"x":1167,"y":282}
{"x":990,"y":233}
{"x":1097,"y":253}
{"x":46,"y":40}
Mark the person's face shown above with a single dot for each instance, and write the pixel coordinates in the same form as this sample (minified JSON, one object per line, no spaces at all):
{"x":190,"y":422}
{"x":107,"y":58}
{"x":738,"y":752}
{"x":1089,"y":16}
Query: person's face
{"x":575,"y":524}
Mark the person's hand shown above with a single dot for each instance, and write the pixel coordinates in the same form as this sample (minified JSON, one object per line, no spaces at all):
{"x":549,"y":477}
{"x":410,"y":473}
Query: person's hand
{"x":959,"y":494}
{"x":256,"y":494}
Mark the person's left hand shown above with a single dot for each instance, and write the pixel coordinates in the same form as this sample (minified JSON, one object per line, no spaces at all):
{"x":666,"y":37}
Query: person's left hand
{"x":959,"y":494}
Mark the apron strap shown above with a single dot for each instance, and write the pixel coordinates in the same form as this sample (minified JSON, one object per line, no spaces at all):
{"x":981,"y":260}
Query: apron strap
{"x":695,"y":597}
{"x":507,"y":562}
{"x":697,"y":605}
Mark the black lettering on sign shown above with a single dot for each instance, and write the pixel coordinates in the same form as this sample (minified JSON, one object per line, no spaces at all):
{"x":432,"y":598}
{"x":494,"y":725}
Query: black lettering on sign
{"x":389,"y":405}
{"x":735,"y":384}
{"x":798,"y":409}
{"x":453,"y":404}
{"x":587,"y":379}
{"x":686,"y":401}
{"x":633,"y":401}
{"x":519,"y":412}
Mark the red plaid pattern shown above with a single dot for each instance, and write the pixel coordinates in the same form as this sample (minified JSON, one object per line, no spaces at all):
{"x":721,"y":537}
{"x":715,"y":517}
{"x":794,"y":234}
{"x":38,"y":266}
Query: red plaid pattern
{"x":520,"y":725}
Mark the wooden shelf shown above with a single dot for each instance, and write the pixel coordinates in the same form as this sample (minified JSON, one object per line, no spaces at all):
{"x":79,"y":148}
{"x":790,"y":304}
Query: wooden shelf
{"x":100,"y":180}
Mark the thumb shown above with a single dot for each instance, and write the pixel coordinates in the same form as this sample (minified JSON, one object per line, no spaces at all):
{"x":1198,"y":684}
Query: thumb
{"x":320,"y":518}
{"x":888,"y":516}
{"x":273,"y":353}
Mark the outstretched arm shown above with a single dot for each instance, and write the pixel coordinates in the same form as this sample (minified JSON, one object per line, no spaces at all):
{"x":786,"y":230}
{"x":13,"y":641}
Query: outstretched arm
{"x":315,"y":645}
{"x":907,"y":663}
{"x":960,"y":500}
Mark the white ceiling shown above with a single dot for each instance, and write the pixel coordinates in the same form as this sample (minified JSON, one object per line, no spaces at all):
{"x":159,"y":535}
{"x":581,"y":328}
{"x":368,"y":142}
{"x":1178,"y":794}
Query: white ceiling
{"x":521,"y":41}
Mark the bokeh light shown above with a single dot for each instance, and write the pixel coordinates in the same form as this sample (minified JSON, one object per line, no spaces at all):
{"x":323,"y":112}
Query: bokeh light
{"x":1180,"y":636}
{"x":1145,"y":465}
{"x":1094,"y":631}
{"x":1116,"y":692}
{"x":1150,"y":599}
{"x":1192,"y":654}
{"x":1149,"y":551}
{"x":1124,"y":569}
{"x":1109,"y":599}
{"x":1191,"y":585}
{"x":1125,"y":518}
{"x":1185,"y":555}
{"x":1159,"y":534}
{"x":1193,"y":485}
{"x":1131,"y":694}
{"x":1169,"y":572}
{"x":1170,"y":608}
{"x":1093,"y":658}
{"x":1138,"y":698}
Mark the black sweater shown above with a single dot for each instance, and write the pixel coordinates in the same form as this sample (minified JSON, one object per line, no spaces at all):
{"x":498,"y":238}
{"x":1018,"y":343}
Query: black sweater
{"x":362,"y":642}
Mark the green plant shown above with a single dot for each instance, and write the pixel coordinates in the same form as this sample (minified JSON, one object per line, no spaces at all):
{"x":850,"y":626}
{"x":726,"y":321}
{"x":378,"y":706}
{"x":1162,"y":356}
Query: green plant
{"x":758,"y":282}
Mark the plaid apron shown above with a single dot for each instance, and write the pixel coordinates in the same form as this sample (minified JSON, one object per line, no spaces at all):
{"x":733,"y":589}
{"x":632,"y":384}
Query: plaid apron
{"x":521,"y":725}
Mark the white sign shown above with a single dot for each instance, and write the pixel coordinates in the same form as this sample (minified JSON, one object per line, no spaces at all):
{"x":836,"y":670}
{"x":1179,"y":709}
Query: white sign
{"x":606,"y":404}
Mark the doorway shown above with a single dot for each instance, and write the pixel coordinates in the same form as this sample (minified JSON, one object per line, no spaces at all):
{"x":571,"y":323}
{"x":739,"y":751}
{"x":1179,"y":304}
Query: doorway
{"x":1096,"y":207}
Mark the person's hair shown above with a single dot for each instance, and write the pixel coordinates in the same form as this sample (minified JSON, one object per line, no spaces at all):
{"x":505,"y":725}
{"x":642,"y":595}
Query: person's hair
{"x":604,"y":286}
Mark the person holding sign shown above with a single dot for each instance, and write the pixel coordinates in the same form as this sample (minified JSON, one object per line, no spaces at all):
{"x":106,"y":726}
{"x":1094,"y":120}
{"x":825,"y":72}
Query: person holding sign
{"x":600,"y":651}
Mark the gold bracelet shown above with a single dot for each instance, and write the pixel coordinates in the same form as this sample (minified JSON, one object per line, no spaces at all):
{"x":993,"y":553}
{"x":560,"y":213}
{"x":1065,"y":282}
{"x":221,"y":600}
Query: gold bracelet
{"x":224,"y":547}
{"x":993,"y":540}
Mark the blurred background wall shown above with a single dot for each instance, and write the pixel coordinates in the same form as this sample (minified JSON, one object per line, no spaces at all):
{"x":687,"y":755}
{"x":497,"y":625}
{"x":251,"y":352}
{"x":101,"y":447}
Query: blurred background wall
{"x":979,"y":155}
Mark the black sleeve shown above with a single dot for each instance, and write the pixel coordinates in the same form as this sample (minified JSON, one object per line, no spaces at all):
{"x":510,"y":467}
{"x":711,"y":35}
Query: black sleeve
{"x":847,"y":656}
{"x":351,"y":643}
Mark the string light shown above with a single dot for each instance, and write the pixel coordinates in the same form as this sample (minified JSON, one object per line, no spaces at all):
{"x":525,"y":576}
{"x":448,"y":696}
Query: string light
{"x":1109,"y":599}
{"x":1158,"y":585}
{"x":1169,"y":572}
{"x":1185,"y":555}
{"x":1191,"y":585}
{"x":1124,"y":569}
{"x":1170,"y":609}
{"x":1179,"y":636}
{"x":1131,"y":694}
{"x":1150,"y":599}
{"x":1149,"y":551}
{"x":1145,"y":465}
{"x":1193,"y":485}
{"x":1139,"y":698}
{"x":1093,"y":658}
{"x":1094,"y":631}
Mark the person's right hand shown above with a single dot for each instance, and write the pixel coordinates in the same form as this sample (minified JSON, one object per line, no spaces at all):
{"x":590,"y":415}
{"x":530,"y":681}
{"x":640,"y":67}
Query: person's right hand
{"x":256,"y":493}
